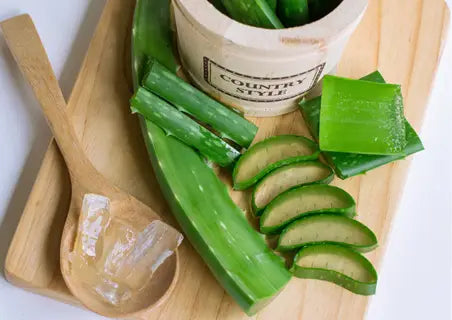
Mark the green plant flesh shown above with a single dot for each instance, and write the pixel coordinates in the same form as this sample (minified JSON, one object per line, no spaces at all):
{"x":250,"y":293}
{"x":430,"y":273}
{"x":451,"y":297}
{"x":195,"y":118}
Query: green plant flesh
{"x":303,"y":201}
{"x":359,"y":116}
{"x":347,"y":165}
{"x":257,"y":13}
{"x":293,"y":12}
{"x":327,"y":228}
{"x":179,"y":125}
{"x":235,"y":253}
{"x":287,"y":177}
{"x":340,"y":265}
{"x":269,"y":155}
{"x":320,"y":8}
{"x":219,"y":5}
{"x":187,"y":98}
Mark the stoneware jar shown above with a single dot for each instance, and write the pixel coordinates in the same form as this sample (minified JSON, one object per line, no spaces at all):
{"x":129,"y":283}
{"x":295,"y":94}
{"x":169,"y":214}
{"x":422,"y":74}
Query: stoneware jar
{"x":261,"y":72}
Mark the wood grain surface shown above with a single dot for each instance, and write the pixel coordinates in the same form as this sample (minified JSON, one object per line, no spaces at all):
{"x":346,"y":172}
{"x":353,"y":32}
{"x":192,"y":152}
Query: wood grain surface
{"x":403,"y":39}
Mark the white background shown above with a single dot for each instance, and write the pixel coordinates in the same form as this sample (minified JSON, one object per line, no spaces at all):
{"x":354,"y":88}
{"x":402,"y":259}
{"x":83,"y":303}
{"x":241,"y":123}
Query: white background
{"x":415,"y":279}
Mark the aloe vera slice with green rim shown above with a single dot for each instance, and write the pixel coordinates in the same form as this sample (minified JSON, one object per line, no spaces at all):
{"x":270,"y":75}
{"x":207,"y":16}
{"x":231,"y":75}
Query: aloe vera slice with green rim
{"x":347,"y":165}
{"x":164,"y":83}
{"x":270,"y":154}
{"x":337,"y":264}
{"x":303,"y":201}
{"x":214,"y":224}
{"x":287,"y":177}
{"x":176,"y":123}
{"x":293,"y":13}
{"x":327,"y":228}
{"x":359,"y":116}
{"x":257,"y":13}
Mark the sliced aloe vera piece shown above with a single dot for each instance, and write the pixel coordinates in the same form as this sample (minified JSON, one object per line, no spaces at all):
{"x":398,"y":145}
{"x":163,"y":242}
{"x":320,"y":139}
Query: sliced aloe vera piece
{"x":304,"y":201}
{"x":164,"y":83}
{"x":287,"y":177}
{"x":293,"y":12}
{"x":340,"y":265}
{"x":327,"y":228}
{"x":176,"y":123}
{"x":347,"y":165}
{"x":361,"y":117}
{"x":258,"y":13}
{"x":269,"y":155}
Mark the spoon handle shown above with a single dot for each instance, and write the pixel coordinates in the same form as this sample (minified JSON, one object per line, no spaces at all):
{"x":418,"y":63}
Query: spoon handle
{"x":26,"y":46}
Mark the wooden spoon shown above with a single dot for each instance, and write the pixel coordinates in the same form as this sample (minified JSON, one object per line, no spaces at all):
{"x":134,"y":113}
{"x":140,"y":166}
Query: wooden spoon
{"x":26,"y":47}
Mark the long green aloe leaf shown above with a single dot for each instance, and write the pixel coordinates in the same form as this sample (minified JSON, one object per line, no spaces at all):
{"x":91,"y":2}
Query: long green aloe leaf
{"x":258,"y":13}
{"x":235,"y":253}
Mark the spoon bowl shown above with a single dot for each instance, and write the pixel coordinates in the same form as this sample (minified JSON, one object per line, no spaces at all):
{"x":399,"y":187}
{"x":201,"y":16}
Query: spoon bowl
{"x":26,"y":47}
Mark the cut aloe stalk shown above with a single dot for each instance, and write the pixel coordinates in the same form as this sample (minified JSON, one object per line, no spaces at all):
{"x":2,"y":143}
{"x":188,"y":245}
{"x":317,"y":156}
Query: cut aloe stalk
{"x":347,"y":165}
{"x":176,"y":123}
{"x":215,"y":226}
{"x":327,"y":228}
{"x":359,"y":116}
{"x":293,"y":13}
{"x":272,"y":4}
{"x":287,"y":177}
{"x":340,"y":265}
{"x":257,"y":13}
{"x":219,"y":5}
{"x":187,"y":98}
{"x":269,"y":155}
{"x":320,"y":8}
{"x":303,"y":201}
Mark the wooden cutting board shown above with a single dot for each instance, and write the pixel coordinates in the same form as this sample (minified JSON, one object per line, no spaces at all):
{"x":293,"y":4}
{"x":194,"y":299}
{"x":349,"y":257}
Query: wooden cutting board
{"x":403,"y":39}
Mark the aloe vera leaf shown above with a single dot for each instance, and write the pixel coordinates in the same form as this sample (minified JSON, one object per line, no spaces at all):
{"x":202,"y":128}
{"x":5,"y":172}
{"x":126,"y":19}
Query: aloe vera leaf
{"x":187,"y":98}
{"x":270,"y":154}
{"x":327,"y":228}
{"x":215,"y":226}
{"x":293,"y":13}
{"x":257,"y":13}
{"x":288,"y":177}
{"x":337,"y":264}
{"x":347,"y":165}
{"x":359,"y":116}
{"x":303,"y":201}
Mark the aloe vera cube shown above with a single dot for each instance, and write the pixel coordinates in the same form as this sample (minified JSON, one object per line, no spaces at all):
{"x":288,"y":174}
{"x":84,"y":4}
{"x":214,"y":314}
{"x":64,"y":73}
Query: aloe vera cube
{"x":347,"y":165}
{"x":361,"y":117}
{"x":257,"y":13}
{"x":293,"y":12}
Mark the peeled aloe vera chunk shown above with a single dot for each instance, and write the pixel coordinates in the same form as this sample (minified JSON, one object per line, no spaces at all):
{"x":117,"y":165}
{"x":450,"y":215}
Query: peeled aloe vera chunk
{"x":270,"y":154}
{"x":347,"y":165}
{"x":303,"y":201}
{"x":164,"y":83}
{"x":287,"y":177}
{"x":337,"y":264}
{"x":176,"y":123}
{"x":293,"y":12}
{"x":327,"y":228}
{"x":359,"y":116}
{"x":257,"y":13}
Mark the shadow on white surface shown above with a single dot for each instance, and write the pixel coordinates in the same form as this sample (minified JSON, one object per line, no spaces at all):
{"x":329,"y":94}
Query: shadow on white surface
{"x":39,"y":130}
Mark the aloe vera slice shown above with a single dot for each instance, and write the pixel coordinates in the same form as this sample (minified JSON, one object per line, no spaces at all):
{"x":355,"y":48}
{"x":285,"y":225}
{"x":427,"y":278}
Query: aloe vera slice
{"x":347,"y":165}
{"x":164,"y":83}
{"x":293,"y":12}
{"x":303,"y":201}
{"x":359,"y":116}
{"x":287,"y":177}
{"x":327,"y":228}
{"x":257,"y":13}
{"x":269,"y":155}
{"x":337,"y":264}
{"x":214,"y":224}
{"x":176,"y":123}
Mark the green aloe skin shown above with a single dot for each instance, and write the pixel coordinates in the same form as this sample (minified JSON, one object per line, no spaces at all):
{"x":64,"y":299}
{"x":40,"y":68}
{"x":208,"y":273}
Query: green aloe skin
{"x":235,"y":253}
{"x":293,"y":12}
{"x":347,"y":165}
{"x":257,"y":13}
